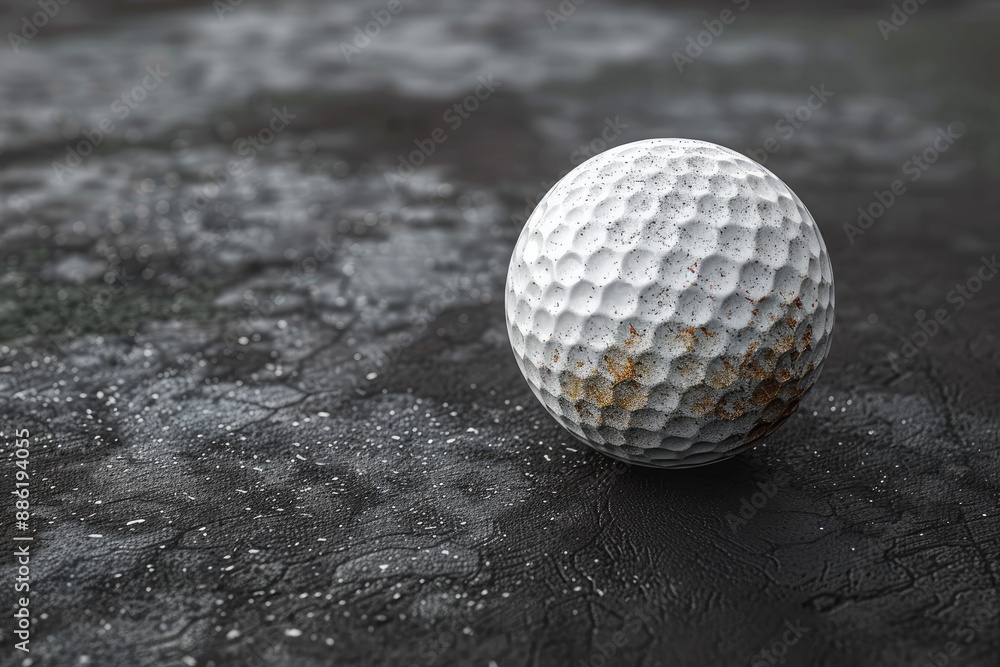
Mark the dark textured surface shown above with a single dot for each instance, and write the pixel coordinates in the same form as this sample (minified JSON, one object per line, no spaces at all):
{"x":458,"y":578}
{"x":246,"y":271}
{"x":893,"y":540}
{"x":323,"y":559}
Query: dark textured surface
{"x":305,"y":390}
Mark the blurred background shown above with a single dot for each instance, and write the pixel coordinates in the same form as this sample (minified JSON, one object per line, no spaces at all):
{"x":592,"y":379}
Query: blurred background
{"x":253,"y":256}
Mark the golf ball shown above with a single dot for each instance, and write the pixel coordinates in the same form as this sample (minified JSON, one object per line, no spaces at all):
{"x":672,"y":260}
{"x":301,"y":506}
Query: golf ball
{"x":669,"y":302}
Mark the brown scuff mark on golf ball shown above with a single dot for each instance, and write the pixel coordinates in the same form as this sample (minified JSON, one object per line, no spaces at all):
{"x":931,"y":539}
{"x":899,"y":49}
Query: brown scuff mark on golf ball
{"x":731,"y":415}
{"x":724,"y":377}
{"x":621,"y":389}
{"x":555,"y":357}
{"x":620,"y":366}
{"x":686,"y":337}
{"x":766,"y":392}
{"x":593,"y":389}
{"x":630,"y":396}
{"x":807,"y":337}
{"x":780,"y":408}
{"x":784,"y":344}
{"x":706,"y":406}
{"x":634,"y":336}
{"x":689,"y":336}
{"x":751,"y":369}
{"x":694,"y":365}
{"x":783,"y":405}
{"x":775,"y":390}
{"x":628,"y":393}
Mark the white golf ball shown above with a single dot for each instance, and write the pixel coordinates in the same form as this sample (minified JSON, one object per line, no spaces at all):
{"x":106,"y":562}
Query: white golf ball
{"x":669,"y":302}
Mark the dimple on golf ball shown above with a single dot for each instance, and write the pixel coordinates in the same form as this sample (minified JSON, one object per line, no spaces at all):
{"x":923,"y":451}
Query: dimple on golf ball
{"x":669,"y":302}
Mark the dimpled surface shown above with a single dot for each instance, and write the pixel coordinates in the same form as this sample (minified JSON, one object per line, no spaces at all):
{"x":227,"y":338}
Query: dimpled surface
{"x":669,"y":301}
